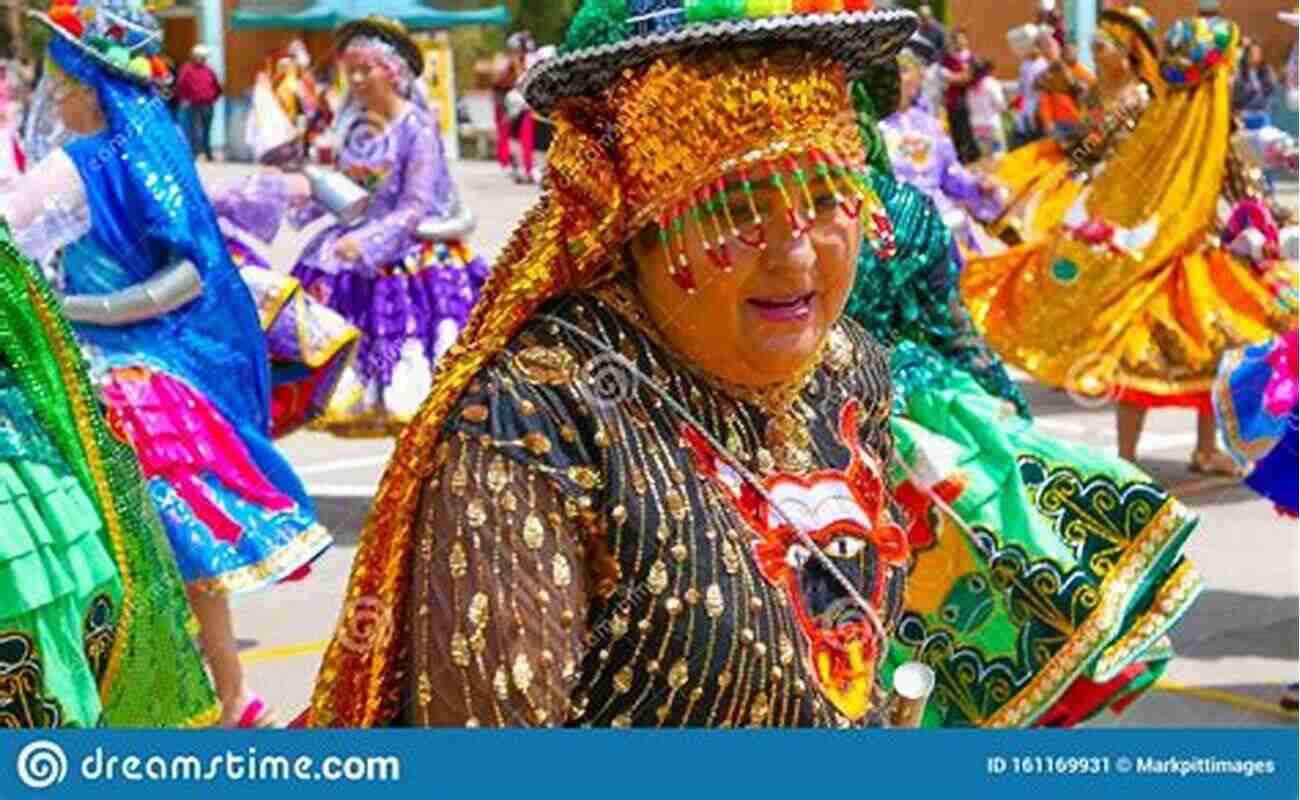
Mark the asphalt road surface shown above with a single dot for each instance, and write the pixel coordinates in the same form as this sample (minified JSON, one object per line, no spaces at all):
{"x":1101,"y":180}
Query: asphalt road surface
{"x":1237,"y":648}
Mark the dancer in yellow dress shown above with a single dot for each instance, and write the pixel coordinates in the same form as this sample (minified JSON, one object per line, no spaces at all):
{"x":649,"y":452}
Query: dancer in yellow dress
{"x":1040,"y":175}
{"x":1139,"y":290}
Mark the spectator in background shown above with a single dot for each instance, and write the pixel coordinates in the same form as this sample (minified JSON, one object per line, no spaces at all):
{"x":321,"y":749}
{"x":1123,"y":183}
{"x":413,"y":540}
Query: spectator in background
{"x":1024,"y":42}
{"x":932,"y":30}
{"x":516,"y":126}
{"x":1253,"y":91}
{"x":198,"y":89}
{"x":1062,"y":88}
{"x":1050,"y":18}
{"x":988,"y":103}
{"x":959,"y":74}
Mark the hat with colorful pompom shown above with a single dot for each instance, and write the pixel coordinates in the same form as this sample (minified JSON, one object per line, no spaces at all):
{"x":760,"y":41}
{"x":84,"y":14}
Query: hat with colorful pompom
{"x":123,"y":36}
{"x":608,"y":36}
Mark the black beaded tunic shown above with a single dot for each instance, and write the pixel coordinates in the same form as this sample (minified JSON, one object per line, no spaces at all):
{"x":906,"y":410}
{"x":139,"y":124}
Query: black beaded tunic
{"x":585,"y":558}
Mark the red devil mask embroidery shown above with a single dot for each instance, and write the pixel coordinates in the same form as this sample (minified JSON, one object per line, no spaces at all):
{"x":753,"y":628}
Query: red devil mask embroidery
{"x":844,"y":514}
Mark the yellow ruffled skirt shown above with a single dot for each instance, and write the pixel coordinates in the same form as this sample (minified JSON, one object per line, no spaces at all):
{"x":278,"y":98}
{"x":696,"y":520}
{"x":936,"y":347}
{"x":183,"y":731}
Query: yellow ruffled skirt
{"x":1105,"y":325}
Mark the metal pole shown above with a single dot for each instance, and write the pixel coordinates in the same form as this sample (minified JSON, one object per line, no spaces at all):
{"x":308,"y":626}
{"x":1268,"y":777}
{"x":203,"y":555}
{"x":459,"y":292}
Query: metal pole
{"x":212,"y":32}
{"x":1081,"y":21}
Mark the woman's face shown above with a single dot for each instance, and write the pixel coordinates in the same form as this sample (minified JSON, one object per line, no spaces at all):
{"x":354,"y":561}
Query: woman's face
{"x":765,"y":319}
{"x":1112,"y":62}
{"x":79,"y":107}
{"x":369,"y":81}
{"x":911,"y":78}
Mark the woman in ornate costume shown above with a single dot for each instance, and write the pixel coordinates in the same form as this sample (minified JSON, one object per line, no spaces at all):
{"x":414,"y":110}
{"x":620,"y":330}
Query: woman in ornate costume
{"x":925,"y":156}
{"x":1043,"y":177}
{"x":1139,"y":291}
{"x":94,"y":625}
{"x":401,"y":273}
{"x":649,"y":487}
{"x":1255,"y":398}
{"x":1050,"y":570}
{"x":173,"y":334}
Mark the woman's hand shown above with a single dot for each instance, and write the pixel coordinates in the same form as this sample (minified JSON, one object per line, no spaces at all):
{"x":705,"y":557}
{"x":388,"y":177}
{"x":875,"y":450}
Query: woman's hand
{"x":348,"y":249}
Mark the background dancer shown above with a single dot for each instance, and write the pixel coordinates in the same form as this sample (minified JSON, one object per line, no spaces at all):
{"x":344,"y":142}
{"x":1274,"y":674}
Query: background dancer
{"x":401,"y":273}
{"x":173,"y":333}
{"x":1138,"y":293}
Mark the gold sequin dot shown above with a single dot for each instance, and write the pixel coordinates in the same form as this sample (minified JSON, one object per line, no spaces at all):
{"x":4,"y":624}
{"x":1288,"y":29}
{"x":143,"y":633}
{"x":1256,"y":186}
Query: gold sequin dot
{"x":679,"y":674}
{"x":537,"y":443}
{"x":478,"y":610}
{"x":459,"y":649}
{"x":643,"y":625}
{"x":657,"y":581}
{"x":747,"y":635}
{"x":475,"y":413}
{"x":692,"y":596}
{"x":760,"y":649}
{"x":724,"y":679}
{"x":527,"y":408}
{"x":623,"y":680}
{"x":603,"y":655}
{"x":619,"y":515}
{"x":560,"y":571}
{"x":472,"y":722}
{"x":673,"y":605}
{"x":756,"y":603}
{"x":653,"y":666}
{"x":457,"y":560}
{"x":713,"y":602}
{"x":522,"y":672}
{"x":501,"y":683}
{"x":777,"y":673}
{"x":534,"y":532}
{"x":800,"y":687}
{"x":697,"y":694}
{"x":476,"y":513}
{"x":680,"y":552}
{"x":622,"y":721}
{"x":786,"y":650}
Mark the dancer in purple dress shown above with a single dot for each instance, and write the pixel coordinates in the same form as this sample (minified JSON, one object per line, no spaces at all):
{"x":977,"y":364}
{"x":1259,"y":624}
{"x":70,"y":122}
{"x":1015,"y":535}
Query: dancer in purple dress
{"x":399,"y":273}
{"x":924,"y":155}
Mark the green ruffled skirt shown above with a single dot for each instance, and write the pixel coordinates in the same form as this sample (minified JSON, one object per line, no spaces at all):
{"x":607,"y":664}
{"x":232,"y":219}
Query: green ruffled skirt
{"x":60,"y":592}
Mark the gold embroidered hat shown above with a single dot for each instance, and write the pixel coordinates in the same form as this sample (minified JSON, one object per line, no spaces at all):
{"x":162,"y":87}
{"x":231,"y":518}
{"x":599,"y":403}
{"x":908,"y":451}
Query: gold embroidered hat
{"x":651,"y":108}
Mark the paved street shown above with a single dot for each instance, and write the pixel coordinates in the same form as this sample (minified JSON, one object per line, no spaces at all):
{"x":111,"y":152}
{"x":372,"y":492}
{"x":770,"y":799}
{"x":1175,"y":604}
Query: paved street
{"x":1237,"y":648}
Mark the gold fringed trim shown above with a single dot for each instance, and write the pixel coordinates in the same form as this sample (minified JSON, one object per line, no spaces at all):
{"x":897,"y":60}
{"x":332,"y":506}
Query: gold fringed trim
{"x":1170,"y":603}
{"x":1071,"y":659}
{"x":301,"y":550}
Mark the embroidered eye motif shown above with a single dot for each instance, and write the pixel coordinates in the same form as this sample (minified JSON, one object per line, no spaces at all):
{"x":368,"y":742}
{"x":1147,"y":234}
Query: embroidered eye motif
{"x":844,"y":547}
{"x":797,"y":555}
